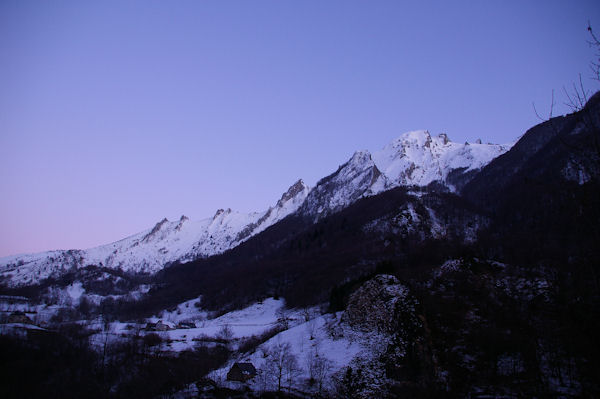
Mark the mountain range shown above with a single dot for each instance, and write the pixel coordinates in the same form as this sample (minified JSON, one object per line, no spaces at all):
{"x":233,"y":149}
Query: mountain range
{"x":415,"y":159}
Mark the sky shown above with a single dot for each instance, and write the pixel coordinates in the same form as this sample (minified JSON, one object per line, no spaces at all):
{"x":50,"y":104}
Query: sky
{"x":116,"y":114}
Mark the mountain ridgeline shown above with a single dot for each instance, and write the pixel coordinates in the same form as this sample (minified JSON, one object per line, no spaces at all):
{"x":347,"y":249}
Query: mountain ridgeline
{"x":414,"y":159}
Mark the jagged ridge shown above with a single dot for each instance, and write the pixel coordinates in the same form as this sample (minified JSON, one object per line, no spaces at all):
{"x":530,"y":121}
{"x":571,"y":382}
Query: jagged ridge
{"x":150,"y":250}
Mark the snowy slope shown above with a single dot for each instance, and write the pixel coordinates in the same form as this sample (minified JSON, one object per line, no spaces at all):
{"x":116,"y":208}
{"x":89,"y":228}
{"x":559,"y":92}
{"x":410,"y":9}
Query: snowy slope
{"x":315,"y":338}
{"x":359,"y":337}
{"x":166,"y":242}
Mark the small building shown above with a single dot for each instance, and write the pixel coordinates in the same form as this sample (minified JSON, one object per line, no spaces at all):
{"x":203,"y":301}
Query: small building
{"x":186,"y":324}
{"x":19,"y":317}
{"x":241,"y":372}
{"x":160,"y":326}
{"x":151,"y":327}
{"x":206,"y":385}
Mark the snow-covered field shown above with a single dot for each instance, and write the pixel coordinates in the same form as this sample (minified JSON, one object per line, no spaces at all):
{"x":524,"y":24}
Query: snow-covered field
{"x":229,"y":328}
{"x":232,"y":326}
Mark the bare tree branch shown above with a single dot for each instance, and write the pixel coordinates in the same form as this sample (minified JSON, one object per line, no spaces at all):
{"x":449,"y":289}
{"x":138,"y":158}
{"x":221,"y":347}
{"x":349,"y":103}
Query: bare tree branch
{"x":551,"y":110}
{"x":594,"y":42}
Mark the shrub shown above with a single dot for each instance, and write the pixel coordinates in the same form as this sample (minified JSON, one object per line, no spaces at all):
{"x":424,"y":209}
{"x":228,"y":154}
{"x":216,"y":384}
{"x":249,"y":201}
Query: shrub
{"x":152,"y":339}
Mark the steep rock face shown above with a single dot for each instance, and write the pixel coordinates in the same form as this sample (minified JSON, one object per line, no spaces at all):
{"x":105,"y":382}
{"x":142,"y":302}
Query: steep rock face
{"x":384,"y":308}
{"x":357,"y":178}
{"x":377,"y":305}
{"x":150,"y":250}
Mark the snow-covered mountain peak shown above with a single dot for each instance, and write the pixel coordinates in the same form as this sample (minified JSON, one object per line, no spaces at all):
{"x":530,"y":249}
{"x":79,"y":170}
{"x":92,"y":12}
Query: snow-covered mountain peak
{"x":355,"y":170}
{"x":414,"y":158}
{"x":289,"y":203}
{"x":296,"y":191}
{"x":220,"y":215}
{"x":417,"y":139}
{"x":418,"y":158}
{"x":182,"y":220}
{"x":360,"y":160}
{"x":420,"y":138}
{"x":360,"y":157}
{"x":444,"y":138}
{"x":356,"y":178}
{"x":156,"y":230}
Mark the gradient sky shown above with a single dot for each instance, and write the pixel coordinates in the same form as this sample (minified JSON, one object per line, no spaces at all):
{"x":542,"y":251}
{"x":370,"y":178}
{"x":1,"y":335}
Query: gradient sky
{"x":114,"y":115}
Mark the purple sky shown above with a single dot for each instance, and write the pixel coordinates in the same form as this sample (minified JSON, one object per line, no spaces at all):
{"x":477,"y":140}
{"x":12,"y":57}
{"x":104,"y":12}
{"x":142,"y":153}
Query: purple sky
{"x":116,"y":114}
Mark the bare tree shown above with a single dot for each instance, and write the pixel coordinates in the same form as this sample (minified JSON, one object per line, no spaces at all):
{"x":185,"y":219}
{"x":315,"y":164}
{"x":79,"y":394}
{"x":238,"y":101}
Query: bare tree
{"x":577,"y":96}
{"x":225,"y":333}
{"x":106,"y":329}
{"x":319,"y":368}
{"x":263,"y":378}
{"x":306,"y":313}
{"x":282,"y":318}
{"x":292,"y":370}
{"x":281,"y":364}
{"x":594,"y":43}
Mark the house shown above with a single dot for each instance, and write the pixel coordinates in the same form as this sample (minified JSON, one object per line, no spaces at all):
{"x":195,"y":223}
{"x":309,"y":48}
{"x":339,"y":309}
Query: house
{"x":151,"y":327}
{"x":241,"y":372}
{"x":206,"y":385}
{"x":19,"y":317}
{"x":186,"y":324}
{"x":160,"y":326}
